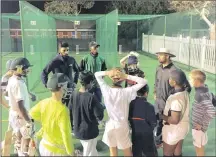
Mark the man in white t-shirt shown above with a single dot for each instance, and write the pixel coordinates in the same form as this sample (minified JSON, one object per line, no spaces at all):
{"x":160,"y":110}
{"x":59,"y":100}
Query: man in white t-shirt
{"x":19,"y":103}
{"x":117,"y":100}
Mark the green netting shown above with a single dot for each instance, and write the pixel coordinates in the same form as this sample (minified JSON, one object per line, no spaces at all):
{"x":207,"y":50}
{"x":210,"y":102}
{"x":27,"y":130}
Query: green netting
{"x":38,"y":39}
{"x":5,"y":36}
{"x":106,"y":36}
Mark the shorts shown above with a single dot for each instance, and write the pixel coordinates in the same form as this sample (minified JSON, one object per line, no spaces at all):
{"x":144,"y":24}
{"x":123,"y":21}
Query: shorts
{"x":172,"y":134}
{"x":16,"y":121}
{"x":117,"y":134}
{"x":200,"y":138}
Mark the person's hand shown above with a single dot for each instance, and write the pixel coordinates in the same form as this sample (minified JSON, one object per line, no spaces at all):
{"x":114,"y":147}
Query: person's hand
{"x":198,"y":127}
{"x":133,"y":53}
{"x":33,"y":97}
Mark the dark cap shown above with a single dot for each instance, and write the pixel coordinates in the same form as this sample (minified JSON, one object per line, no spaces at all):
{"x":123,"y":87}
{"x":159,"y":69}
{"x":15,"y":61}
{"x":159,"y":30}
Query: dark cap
{"x":56,"y":81}
{"x":132,"y":60}
{"x":86,"y":77}
{"x":93,"y":44}
{"x":178,"y":76}
{"x":64,"y":44}
{"x":20,"y":62}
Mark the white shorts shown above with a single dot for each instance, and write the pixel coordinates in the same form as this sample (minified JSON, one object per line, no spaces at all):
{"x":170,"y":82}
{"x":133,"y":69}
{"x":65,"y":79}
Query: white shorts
{"x":200,"y":138}
{"x":16,"y":121}
{"x":117,"y":135}
{"x":89,"y":147}
{"x":172,"y":134}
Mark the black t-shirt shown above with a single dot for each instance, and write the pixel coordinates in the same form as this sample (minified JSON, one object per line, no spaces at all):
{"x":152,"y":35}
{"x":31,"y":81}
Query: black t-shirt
{"x":138,"y":73}
{"x":86,"y":111}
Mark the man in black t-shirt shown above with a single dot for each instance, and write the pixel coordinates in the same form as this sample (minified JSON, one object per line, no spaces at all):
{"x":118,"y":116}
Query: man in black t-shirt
{"x":87,"y":111}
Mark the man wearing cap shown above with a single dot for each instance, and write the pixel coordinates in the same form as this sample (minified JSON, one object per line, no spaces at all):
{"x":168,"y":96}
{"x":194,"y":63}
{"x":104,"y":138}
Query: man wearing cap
{"x":162,"y":88}
{"x":94,"y":62}
{"x":62,"y":63}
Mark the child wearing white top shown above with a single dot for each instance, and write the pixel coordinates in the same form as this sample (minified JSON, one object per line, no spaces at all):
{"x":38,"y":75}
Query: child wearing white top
{"x":117,"y":100}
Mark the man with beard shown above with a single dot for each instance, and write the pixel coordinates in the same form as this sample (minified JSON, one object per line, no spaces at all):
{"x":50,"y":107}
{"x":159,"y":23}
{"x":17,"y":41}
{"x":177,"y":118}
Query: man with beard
{"x":162,"y":89}
{"x":62,"y":63}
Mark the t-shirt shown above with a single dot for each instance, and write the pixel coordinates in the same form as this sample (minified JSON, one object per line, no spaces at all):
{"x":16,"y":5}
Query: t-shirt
{"x":56,"y":128}
{"x":117,"y":100}
{"x":178,"y":102}
{"x":17,"y":91}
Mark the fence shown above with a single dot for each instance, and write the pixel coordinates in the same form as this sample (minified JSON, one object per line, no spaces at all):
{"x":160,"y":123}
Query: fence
{"x":198,"y":53}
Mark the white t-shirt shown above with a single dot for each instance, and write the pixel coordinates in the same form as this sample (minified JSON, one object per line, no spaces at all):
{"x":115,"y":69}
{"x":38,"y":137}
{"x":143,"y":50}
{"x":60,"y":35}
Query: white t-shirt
{"x":178,"y":102}
{"x":17,"y":90}
{"x":117,"y":100}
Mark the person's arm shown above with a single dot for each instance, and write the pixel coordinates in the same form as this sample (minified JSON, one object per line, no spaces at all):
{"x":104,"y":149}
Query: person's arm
{"x":82,"y":65}
{"x":65,"y":128}
{"x":46,"y":71}
{"x":3,"y":101}
{"x":35,"y":112}
{"x":123,"y":60}
{"x":103,"y":67}
{"x":98,"y":109}
{"x":76,"y":71}
{"x":99,"y":77}
{"x":141,"y":82}
{"x":152,"y":117}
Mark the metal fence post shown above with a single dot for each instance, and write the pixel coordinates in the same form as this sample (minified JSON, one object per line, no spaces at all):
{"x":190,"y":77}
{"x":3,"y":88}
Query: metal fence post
{"x":77,"y":49}
{"x":120,"y":49}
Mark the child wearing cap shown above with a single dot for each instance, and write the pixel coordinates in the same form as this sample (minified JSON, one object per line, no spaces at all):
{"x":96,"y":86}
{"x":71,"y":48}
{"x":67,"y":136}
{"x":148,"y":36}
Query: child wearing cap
{"x":131,"y":67}
{"x":143,"y":121}
{"x":203,"y":110}
{"x":55,"y":120}
{"x":117,"y":100}
{"x":175,"y":116}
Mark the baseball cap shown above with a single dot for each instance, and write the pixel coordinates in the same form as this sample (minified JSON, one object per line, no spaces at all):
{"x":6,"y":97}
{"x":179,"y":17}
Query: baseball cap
{"x":132,"y":60}
{"x":64,"y":44}
{"x":56,"y":81}
{"x":178,"y":76}
{"x":93,"y":44}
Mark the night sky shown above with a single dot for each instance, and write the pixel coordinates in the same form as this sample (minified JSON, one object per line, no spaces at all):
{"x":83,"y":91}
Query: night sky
{"x":13,"y":7}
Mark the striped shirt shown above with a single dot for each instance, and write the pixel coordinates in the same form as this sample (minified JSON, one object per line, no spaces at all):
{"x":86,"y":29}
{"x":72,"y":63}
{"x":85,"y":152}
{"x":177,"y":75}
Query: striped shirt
{"x":203,"y":110}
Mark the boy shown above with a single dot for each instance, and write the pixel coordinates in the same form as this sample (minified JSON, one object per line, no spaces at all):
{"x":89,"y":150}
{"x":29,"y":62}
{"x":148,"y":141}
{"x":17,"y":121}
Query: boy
{"x":86,"y":111}
{"x":203,"y":111}
{"x":55,"y":120}
{"x":117,"y":100}
{"x":143,"y":121}
{"x":19,"y":119}
{"x":131,"y":67}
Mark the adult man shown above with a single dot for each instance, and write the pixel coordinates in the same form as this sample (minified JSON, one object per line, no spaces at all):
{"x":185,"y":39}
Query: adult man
{"x":19,"y":101}
{"x":62,"y":63}
{"x":94,"y":62}
{"x":162,"y":89}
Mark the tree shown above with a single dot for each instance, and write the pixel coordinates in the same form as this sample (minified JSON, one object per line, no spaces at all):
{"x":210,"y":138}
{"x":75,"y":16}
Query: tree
{"x":127,"y":32}
{"x":68,"y":7}
{"x":203,"y":8}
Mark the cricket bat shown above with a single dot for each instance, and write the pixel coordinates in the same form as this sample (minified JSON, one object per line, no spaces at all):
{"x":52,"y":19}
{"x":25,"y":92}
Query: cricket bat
{"x":7,"y":143}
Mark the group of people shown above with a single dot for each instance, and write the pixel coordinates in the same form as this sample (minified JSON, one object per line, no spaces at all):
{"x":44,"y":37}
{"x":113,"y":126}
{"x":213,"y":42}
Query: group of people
{"x":134,"y":125}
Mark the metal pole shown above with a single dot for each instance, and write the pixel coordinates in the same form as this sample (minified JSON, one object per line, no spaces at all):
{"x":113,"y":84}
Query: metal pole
{"x":191,"y":22}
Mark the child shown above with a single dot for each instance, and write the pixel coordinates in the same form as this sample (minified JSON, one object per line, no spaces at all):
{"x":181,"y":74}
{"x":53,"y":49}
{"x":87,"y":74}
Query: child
{"x":131,"y":67}
{"x":143,"y":121}
{"x":87,"y":111}
{"x":203,"y":111}
{"x":117,"y":100}
{"x":55,"y":120}
{"x":18,"y":96}
{"x":175,"y":116}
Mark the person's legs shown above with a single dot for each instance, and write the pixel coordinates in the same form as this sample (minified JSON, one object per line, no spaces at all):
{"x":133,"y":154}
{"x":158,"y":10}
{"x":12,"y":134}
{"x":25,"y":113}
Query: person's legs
{"x":200,"y":151}
{"x":137,"y":144}
{"x":127,"y":152}
{"x":89,"y":147}
{"x":158,"y":134}
{"x":113,"y":151}
{"x":168,"y":150}
{"x":149,"y":148}
{"x":178,"y":149}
